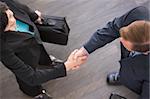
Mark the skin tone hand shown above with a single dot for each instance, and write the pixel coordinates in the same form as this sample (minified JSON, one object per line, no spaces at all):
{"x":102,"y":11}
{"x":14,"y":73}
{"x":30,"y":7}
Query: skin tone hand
{"x":73,"y":63}
{"x":81,"y":53}
{"x":39,"y":20}
{"x":11,"y":26}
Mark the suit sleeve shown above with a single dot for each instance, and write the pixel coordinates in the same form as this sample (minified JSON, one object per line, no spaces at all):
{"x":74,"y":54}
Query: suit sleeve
{"x":26,"y":73}
{"x":33,"y":16}
{"x":111,"y":31}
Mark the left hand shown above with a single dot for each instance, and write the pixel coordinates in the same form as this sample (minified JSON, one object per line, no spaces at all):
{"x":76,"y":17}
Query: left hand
{"x":39,"y":20}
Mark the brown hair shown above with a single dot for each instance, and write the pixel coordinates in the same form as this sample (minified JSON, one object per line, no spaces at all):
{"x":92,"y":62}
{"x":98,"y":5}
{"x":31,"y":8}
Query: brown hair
{"x":138,"y":33}
{"x":3,"y":7}
{"x":3,"y":16}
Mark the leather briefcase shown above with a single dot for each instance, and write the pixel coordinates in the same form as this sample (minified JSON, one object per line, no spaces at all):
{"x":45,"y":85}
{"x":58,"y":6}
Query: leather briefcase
{"x":54,"y":30}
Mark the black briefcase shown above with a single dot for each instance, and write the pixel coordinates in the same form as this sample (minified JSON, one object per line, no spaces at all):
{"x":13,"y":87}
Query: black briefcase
{"x":54,"y":30}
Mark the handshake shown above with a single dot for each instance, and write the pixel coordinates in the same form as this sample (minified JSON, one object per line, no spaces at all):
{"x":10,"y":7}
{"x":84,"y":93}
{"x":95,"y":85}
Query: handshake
{"x":76,"y":58}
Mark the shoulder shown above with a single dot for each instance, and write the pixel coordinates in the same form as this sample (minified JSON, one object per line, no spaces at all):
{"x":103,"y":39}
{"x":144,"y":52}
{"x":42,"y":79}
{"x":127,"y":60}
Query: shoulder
{"x":137,"y":13}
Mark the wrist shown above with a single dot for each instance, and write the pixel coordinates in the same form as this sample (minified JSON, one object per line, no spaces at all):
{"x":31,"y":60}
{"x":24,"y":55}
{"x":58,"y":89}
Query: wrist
{"x":84,"y":51}
{"x":68,"y":66}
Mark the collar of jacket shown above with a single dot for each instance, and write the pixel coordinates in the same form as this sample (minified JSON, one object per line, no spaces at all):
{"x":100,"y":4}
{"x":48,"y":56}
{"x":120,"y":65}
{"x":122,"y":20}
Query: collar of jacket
{"x":12,"y":36}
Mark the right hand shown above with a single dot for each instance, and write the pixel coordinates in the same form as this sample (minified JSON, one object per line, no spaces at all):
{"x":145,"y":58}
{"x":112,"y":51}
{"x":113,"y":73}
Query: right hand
{"x":73,"y":63}
{"x":81,"y":53}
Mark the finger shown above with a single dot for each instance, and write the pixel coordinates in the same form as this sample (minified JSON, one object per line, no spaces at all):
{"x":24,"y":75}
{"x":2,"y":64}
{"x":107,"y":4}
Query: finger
{"x":74,"y":53}
{"x":82,"y":58}
{"x":79,"y":54}
{"x":37,"y":12}
{"x":76,"y":56}
{"x":76,"y":67}
{"x":39,"y":20}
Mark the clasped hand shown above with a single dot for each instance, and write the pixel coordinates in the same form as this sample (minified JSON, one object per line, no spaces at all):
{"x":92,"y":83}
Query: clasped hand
{"x":76,"y":58}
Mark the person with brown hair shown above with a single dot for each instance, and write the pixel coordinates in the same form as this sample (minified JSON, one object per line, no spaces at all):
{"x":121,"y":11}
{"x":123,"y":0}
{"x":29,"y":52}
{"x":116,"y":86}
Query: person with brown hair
{"x":133,"y":29}
{"x":137,"y":34}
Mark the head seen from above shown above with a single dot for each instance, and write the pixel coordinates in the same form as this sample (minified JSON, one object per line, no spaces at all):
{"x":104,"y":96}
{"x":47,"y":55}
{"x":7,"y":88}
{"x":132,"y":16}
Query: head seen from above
{"x":136,"y":36}
{"x":8,"y":21}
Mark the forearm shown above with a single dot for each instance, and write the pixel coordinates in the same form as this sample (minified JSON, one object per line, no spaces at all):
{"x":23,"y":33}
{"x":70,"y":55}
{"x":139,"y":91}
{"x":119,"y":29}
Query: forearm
{"x":43,"y":75}
{"x":111,"y":31}
{"x":102,"y":37}
{"x":29,"y":75}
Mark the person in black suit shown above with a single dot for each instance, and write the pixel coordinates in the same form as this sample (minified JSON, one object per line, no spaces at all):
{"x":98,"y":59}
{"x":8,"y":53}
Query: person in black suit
{"x":133,"y":28}
{"x":23,"y":53}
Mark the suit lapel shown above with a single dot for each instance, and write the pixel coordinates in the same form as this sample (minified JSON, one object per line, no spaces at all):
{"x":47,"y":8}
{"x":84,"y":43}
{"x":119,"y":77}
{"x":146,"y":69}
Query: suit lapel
{"x":13,"y":36}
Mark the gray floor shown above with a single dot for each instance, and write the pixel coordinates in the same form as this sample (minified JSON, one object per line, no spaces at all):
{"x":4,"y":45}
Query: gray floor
{"x":84,"y":18}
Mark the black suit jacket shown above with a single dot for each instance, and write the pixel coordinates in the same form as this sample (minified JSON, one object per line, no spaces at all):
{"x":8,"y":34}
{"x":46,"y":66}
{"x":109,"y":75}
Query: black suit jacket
{"x":134,"y":71}
{"x":24,"y":53}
